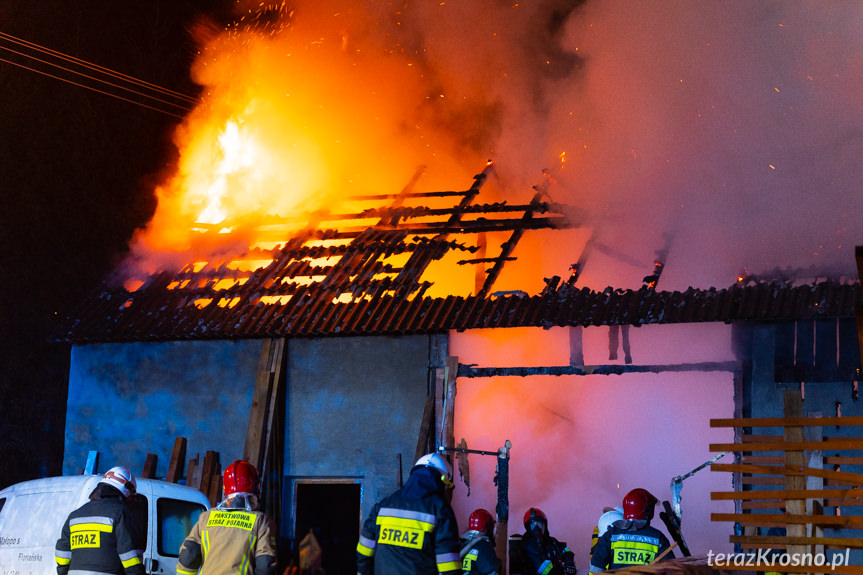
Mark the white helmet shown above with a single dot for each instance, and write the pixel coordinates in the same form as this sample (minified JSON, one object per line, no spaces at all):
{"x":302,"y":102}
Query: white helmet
{"x":122,"y":479}
{"x":435,"y":461}
{"x":609,"y":517}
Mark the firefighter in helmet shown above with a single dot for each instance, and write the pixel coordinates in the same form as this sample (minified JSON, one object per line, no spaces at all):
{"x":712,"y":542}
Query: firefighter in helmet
{"x":609,"y":516}
{"x":413,"y":530}
{"x":542,"y":554}
{"x":477,"y":545}
{"x":84,"y":544}
{"x":235,"y":537}
{"x":631,"y":541}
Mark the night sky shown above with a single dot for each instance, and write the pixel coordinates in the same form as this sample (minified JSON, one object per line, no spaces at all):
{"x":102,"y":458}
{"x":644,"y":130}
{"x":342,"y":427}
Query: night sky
{"x":77,"y":171}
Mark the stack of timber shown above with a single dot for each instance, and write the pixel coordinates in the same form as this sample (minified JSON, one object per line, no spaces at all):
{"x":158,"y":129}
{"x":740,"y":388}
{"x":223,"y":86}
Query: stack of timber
{"x":784,"y":480}
{"x":206,"y":477}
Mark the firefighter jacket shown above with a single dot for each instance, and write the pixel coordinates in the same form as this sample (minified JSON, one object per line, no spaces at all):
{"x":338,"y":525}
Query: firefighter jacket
{"x":413,"y":530}
{"x":542,"y":554}
{"x":230,"y":540}
{"x":628,"y":543}
{"x":477,"y":554}
{"x":100,"y":537}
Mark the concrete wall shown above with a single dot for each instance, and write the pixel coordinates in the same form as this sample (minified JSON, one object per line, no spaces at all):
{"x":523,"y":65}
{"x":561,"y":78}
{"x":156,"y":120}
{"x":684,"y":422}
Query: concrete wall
{"x":130,"y":399}
{"x":353,"y":405}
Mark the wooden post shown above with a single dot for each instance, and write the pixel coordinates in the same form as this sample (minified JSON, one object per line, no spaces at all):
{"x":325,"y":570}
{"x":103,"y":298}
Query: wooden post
{"x":149,"y":471}
{"x":576,"y":346}
{"x":814,"y":460}
{"x":426,"y":428}
{"x":266,"y":386}
{"x":793,"y":407}
{"x":178,"y":457}
{"x":481,"y":272}
{"x":193,"y":472}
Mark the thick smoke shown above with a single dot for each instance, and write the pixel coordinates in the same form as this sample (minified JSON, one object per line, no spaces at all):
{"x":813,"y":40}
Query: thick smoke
{"x":734,"y":129}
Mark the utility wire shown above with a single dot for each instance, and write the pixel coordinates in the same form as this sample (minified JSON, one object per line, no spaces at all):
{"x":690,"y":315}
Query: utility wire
{"x":182,"y":107}
{"x":99,"y":69}
{"x":96,"y":67}
{"x":90,"y":88}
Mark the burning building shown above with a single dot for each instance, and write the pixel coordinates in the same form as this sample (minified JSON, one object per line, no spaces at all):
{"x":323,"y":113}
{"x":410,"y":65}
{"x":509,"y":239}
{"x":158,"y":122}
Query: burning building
{"x":310,"y":299}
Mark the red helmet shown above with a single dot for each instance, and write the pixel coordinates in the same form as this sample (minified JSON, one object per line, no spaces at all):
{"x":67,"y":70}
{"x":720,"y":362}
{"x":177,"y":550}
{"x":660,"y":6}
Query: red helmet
{"x":533,"y":514}
{"x":240,"y":477}
{"x":481,"y":520}
{"x":638,"y":504}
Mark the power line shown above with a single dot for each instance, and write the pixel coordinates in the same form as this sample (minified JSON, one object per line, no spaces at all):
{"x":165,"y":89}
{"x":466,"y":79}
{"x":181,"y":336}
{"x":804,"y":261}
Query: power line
{"x":96,"y":67}
{"x":113,"y":87}
{"x":89,"y":88}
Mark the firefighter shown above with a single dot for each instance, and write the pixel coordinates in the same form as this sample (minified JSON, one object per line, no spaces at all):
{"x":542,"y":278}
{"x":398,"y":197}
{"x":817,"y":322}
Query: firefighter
{"x":101,"y":535}
{"x":631,"y":541}
{"x":413,"y":530}
{"x":542,"y":554}
{"x":477,"y":545}
{"x":235,"y":538}
{"x":609,"y":516}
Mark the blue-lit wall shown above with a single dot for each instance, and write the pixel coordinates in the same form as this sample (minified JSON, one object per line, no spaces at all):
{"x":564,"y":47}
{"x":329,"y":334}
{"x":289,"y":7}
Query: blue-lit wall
{"x":130,"y":399}
{"x":353,"y":405}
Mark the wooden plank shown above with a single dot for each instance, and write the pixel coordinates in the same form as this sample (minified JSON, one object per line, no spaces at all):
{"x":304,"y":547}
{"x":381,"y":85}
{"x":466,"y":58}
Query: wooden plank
{"x":826,"y":445}
{"x":762,"y":481}
{"x":193,"y":472}
{"x":211,"y":460}
{"x":761,"y":438}
{"x":426,"y":427}
{"x":763,"y":459}
{"x":149,"y":471}
{"x":783,"y":494}
{"x":278,"y":360}
{"x":790,"y":471}
{"x":771,"y":540}
{"x":843,"y":502}
{"x":178,"y":458}
{"x":794,"y":460}
{"x":268,"y":364}
{"x":764,"y":504}
{"x":841,"y":460}
{"x":451,"y":390}
{"x":787,"y":421}
{"x":849,"y":521}
{"x":214,"y":493}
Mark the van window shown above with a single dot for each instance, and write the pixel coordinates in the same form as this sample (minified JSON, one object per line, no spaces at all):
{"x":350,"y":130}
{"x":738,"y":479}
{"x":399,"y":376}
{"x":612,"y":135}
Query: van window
{"x":175,"y":519}
{"x":26,"y":509}
{"x":2,"y":503}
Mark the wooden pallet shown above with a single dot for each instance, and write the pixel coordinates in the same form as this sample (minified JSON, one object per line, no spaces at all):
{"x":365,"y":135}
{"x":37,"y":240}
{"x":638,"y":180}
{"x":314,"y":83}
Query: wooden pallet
{"x":806,"y":482}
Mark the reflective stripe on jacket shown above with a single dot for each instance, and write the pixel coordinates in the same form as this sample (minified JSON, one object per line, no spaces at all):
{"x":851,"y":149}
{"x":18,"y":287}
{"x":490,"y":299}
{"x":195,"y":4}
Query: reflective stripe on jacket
{"x":417,"y":535}
{"x":227,"y":542}
{"x":623,"y":546}
{"x":100,"y":537}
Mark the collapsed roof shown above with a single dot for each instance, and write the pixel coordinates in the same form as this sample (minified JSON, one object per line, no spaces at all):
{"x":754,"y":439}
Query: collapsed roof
{"x":325,"y":282}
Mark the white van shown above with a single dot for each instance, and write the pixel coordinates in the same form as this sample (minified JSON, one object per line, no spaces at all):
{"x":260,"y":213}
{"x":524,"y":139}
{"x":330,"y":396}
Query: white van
{"x":32,"y":514}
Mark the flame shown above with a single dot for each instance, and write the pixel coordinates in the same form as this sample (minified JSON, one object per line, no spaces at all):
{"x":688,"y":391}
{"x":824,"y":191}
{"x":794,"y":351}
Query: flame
{"x":295,"y":119}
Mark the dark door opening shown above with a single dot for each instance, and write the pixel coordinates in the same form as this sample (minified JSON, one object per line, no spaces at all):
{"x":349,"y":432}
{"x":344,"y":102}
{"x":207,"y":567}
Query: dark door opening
{"x":331,"y":511}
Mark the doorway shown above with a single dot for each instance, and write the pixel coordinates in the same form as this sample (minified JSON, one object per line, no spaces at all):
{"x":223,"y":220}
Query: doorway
{"x":331,"y":510}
